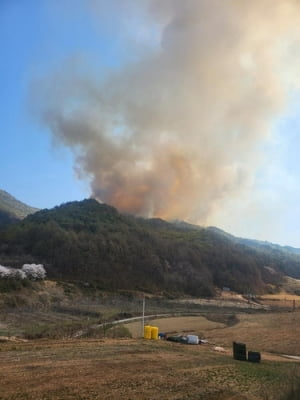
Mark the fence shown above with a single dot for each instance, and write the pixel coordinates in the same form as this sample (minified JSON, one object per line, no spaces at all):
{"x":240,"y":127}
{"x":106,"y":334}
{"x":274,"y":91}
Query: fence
{"x":282,"y":303}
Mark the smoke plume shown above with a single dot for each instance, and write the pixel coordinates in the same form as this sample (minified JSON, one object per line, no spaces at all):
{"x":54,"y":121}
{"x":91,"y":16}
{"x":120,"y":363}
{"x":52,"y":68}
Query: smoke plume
{"x":180,"y":125}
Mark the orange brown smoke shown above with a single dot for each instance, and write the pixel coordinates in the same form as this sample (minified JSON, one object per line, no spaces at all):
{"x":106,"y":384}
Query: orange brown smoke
{"x":181,"y":128}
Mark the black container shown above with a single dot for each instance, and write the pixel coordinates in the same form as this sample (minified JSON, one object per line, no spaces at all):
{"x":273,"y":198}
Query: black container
{"x":239,"y":351}
{"x":254,"y":356}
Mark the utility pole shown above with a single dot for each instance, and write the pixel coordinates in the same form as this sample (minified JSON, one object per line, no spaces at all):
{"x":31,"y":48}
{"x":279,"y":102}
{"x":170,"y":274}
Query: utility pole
{"x":143,"y":316}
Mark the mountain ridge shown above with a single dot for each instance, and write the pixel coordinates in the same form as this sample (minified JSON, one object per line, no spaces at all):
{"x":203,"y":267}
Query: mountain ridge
{"x":12,"y":209}
{"x":256,"y":243}
{"x":89,"y":242}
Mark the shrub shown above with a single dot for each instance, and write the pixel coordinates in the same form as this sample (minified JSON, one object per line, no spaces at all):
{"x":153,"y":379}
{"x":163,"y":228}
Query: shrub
{"x":13,"y":283}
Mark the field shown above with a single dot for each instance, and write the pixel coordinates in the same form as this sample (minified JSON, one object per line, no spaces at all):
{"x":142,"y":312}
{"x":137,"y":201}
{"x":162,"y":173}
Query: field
{"x":135,"y":368}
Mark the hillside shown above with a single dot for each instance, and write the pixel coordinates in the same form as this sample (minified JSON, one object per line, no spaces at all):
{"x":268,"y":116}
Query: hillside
{"x":95,"y":244}
{"x":12,"y":210}
{"x":287,"y":256}
{"x":7,"y":218}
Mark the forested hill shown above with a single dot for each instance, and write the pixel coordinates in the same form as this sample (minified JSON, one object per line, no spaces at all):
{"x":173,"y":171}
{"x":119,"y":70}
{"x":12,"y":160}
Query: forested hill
{"x":95,"y":244}
{"x":12,"y":210}
{"x":288,"y":255}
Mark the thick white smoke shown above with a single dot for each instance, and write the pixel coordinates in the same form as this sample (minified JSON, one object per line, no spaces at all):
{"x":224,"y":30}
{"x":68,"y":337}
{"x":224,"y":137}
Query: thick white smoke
{"x":181,"y":127}
{"x":30,"y":271}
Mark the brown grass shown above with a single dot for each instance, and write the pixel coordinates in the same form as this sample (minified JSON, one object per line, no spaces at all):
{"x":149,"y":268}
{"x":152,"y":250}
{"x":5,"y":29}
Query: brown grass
{"x":177,"y":325}
{"x":276,"y":333}
{"x":128,"y":369}
{"x":137,"y":369}
{"x":281,"y":297}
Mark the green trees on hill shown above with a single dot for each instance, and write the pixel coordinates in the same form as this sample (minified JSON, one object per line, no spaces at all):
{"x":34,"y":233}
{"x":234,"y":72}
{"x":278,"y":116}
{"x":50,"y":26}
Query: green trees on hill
{"x":93,"y":243}
{"x":6,"y":218}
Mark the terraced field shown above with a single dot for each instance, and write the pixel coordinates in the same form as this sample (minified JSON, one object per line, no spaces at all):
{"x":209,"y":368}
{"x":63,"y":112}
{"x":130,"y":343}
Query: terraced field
{"x":133,"y":369}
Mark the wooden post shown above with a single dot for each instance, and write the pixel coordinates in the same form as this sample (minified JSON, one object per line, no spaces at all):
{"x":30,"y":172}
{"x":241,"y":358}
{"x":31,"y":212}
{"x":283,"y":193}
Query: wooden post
{"x":143,"y":316}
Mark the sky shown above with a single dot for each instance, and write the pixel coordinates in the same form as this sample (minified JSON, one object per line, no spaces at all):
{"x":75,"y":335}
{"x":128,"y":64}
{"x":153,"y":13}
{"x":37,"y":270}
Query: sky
{"x":179,"y":110}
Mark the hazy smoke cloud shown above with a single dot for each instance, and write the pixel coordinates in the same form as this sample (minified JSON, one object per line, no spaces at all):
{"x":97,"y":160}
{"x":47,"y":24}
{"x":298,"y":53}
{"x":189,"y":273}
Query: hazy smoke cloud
{"x":180,"y":127}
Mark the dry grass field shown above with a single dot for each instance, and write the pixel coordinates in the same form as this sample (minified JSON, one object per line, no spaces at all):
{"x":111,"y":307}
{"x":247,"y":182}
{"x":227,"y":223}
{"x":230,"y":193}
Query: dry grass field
{"x":178,"y":325}
{"x":138,"y":369}
{"x":273,"y":333}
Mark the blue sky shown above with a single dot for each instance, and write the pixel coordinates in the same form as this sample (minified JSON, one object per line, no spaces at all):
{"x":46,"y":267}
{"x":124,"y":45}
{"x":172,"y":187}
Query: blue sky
{"x":32,"y":40}
{"x":40,"y":37}
{"x":36,"y":36}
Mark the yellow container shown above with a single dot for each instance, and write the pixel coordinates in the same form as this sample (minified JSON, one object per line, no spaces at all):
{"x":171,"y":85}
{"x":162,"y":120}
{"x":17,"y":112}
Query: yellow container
{"x":154,"y":332}
{"x":147,"y":332}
